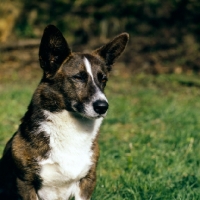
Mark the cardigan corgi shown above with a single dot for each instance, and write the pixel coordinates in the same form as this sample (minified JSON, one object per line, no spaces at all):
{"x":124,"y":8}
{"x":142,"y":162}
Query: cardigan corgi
{"x":54,"y":153}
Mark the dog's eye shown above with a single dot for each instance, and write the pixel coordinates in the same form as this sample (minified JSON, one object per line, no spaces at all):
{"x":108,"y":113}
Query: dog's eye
{"x":102,"y":78}
{"x":82,"y":76}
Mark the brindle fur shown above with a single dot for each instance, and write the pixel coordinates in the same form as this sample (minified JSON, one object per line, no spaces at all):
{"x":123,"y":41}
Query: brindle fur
{"x":19,"y":168}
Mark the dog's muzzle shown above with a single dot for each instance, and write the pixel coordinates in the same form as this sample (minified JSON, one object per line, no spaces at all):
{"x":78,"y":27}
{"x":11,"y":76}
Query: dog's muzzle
{"x":100,"y":106}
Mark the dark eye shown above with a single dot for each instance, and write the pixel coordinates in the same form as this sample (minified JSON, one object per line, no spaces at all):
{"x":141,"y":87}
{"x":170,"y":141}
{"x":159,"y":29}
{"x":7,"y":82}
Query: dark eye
{"x":102,"y":78}
{"x":82,"y":76}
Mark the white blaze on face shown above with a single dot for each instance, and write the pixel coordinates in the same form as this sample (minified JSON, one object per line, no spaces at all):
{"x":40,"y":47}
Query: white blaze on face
{"x":88,"y":67}
{"x":98,"y":95}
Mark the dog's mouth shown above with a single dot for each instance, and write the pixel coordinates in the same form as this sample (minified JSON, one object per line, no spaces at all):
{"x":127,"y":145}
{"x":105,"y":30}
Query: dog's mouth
{"x":93,"y":110}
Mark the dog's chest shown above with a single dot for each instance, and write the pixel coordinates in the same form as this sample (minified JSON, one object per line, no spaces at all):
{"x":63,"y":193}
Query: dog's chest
{"x":66,"y":164}
{"x":70,"y":156}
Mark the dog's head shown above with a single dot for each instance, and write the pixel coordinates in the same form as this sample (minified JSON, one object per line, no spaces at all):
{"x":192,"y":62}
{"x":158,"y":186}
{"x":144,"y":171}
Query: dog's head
{"x":78,"y":79}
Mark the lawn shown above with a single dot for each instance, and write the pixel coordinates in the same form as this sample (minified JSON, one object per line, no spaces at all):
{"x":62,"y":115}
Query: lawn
{"x":149,"y":140}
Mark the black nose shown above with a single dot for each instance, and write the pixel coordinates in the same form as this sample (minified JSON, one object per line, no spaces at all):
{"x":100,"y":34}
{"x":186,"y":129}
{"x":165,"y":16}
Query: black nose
{"x":100,"y":106}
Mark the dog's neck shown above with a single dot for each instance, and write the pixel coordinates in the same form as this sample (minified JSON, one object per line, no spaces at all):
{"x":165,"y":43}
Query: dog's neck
{"x":72,"y":122}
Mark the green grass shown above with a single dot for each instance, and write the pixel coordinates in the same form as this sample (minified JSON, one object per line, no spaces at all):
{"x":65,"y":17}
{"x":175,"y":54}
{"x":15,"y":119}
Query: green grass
{"x":149,"y":141}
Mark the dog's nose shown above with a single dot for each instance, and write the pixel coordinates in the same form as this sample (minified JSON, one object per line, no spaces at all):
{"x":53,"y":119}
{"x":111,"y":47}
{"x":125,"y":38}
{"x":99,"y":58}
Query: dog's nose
{"x":100,"y":106}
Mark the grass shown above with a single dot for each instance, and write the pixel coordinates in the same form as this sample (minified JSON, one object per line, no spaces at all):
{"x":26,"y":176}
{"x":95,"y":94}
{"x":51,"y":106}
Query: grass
{"x":149,"y":141}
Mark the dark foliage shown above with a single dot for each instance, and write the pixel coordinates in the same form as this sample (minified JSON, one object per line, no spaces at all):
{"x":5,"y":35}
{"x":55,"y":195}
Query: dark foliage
{"x":163,"y":33}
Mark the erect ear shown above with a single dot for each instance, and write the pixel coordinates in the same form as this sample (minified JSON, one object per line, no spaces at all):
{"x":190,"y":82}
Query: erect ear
{"x":53,"y":50}
{"x":112,"y":50}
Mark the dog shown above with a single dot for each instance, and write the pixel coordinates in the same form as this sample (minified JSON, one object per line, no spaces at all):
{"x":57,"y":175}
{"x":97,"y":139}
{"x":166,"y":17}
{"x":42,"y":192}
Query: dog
{"x":54,"y":153}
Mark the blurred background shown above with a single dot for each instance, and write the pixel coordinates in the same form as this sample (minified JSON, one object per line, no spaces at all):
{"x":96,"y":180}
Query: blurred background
{"x":150,"y":139}
{"x":164,"y":35}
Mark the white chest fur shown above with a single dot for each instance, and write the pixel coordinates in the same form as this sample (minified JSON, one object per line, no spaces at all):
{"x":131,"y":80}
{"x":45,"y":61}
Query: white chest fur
{"x":71,"y":138}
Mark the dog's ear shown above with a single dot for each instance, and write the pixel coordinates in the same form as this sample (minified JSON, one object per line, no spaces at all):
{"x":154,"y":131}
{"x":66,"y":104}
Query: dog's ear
{"x":112,"y":50}
{"x":53,"y":50}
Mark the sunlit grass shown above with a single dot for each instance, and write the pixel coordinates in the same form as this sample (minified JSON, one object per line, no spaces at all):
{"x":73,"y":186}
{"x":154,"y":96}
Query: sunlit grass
{"x":150,"y":140}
